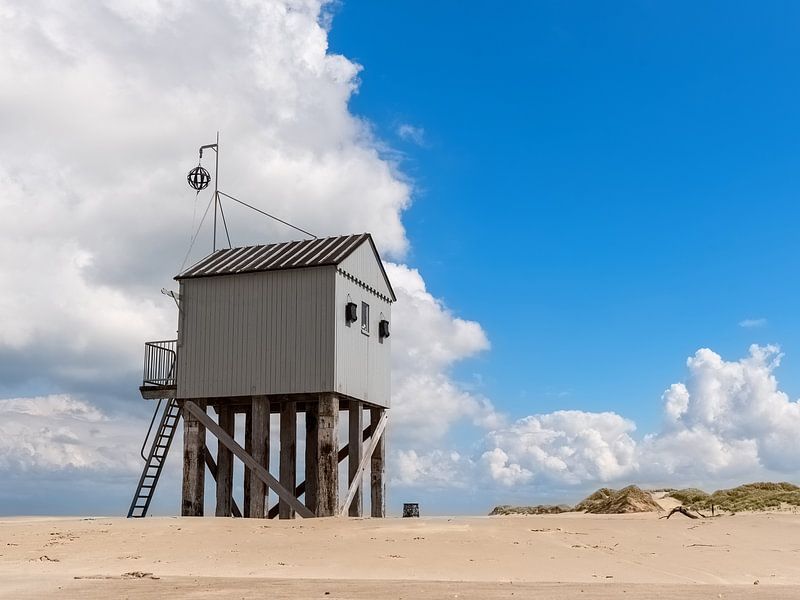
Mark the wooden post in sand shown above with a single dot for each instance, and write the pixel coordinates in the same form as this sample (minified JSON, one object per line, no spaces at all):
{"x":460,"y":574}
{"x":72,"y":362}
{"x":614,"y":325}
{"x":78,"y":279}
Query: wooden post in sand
{"x":288,"y":454}
{"x":194,"y":465}
{"x":224,"y":464}
{"x":327,"y":456}
{"x":377,"y":468}
{"x":312,"y":468}
{"x":248,"y":446}
{"x":259,"y":440}
{"x":355,"y":445}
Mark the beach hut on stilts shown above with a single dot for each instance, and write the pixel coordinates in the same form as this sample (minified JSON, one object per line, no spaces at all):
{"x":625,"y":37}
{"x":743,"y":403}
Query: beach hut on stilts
{"x":299,"y":330}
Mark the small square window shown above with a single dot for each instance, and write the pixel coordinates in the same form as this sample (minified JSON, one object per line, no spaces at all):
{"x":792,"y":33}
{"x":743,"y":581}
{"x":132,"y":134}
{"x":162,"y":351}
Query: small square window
{"x":365,"y":317}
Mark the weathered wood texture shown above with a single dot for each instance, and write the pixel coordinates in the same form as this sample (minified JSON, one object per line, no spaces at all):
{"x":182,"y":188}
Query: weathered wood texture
{"x":355,"y":477}
{"x":377,"y":468}
{"x":248,"y":447}
{"x":377,"y":439}
{"x":327,"y":455}
{"x":343,"y":453}
{"x":312,"y":467}
{"x":249,"y":462}
{"x":224,"y":465}
{"x":259,"y":441}
{"x":194,"y":466}
{"x":212,"y":468}
{"x":288,"y":454}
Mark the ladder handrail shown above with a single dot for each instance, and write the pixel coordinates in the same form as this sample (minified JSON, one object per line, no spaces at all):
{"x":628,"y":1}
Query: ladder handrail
{"x":149,"y":429}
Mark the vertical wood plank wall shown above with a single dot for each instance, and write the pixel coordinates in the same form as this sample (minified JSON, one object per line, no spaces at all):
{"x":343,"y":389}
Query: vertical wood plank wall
{"x":257,"y":333}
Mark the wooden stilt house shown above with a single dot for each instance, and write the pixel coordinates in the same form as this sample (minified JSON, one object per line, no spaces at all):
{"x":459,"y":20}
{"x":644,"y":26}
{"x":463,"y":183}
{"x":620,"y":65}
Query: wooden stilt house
{"x":296,"y":328}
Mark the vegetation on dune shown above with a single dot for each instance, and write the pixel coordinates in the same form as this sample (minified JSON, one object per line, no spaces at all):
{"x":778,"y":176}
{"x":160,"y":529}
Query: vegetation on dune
{"x":690,"y":497}
{"x":594,"y":500}
{"x":539,"y":509}
{"x":631,"y":499}
{"x":747,"y":497}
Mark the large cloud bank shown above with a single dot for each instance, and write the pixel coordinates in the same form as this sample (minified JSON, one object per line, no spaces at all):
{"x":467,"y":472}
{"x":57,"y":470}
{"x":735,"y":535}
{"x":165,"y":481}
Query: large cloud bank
{"x":102,"y":108}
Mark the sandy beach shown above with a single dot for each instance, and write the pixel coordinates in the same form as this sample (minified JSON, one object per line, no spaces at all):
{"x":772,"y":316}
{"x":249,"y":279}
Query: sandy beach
{"x":551,"y":556}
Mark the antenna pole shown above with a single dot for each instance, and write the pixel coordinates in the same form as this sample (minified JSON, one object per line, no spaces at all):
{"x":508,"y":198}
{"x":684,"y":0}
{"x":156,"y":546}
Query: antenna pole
{"x":216,"y":189}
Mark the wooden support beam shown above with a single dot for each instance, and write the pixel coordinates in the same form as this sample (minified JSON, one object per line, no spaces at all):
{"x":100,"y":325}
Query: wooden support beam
{"x":312,"y":467}
{"x":249,"y":462}
{"x":344,"y":451}
{"x":248,"y":447}
{"x":259,"y":440}
{"x":377,"y":468}
{"x":288,"y":454}
{"x":224,"y":465}
{"x":355,"y":476}
{"x":212,"y":468}
{"x":327,"y":456}
{"x":374,"y":444}
{"x":194,"y":469}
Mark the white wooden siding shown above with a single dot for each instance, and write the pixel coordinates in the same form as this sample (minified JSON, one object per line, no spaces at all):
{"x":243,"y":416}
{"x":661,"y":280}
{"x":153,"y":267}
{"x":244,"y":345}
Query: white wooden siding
{"x":363,"y":362}
{"x":363,"y":265}
{"x":257,"y":333}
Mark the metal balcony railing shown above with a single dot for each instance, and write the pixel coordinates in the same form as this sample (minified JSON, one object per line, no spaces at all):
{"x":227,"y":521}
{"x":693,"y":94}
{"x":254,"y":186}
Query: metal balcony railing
{"x":160,"y":362}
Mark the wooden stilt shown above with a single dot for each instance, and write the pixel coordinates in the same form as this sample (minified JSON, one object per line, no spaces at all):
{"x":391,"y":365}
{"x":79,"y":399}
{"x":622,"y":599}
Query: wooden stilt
{"x":356,"y":418}
{"x":377,"y":468}
{"x":194,"y":464}
{"x":212,"y":468}
{"x":327,"y":453}
{"x":224,"y":464}
{"x":259,"y":431}
{"x":288,"y":454}
{"x":343,"y":453}
{"x":248,"y":447}
{"x":249,"y":462}
{"x":312,"y":466}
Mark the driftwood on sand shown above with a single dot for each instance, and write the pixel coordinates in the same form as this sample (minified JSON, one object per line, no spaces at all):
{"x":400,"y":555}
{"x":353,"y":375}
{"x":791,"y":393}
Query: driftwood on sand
{"x":684,"y":512}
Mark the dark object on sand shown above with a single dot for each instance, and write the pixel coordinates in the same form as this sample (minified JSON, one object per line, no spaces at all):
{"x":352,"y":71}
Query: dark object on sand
{"x":410,"y":509}
{"x":683,"y":511}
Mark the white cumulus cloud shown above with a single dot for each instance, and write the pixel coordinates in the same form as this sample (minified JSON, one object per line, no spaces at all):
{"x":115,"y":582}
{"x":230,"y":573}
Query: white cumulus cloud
{"x":728,"y":420}
{"x":102,"y":107}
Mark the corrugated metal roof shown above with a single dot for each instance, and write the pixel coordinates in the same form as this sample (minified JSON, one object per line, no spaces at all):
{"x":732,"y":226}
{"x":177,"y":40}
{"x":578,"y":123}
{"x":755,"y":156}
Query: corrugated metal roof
{"x":271,"y":257}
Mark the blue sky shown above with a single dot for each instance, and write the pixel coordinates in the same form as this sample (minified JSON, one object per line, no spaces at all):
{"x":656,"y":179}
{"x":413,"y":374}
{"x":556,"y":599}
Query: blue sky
{"x":605,"y":188}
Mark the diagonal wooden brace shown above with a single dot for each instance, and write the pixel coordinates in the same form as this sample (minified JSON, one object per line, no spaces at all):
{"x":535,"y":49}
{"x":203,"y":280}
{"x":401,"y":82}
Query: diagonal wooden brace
{"x":376,"y":437}
{"x":344,"y":452}
{"x":212,"y":468}
{"x":256,"y":469}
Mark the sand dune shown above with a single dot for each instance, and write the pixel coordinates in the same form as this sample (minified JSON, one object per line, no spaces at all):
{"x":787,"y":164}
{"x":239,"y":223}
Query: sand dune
{"x":549,"y":556}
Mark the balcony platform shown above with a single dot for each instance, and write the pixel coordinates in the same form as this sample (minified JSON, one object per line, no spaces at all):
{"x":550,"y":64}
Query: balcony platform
{"x":157,"y":392}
